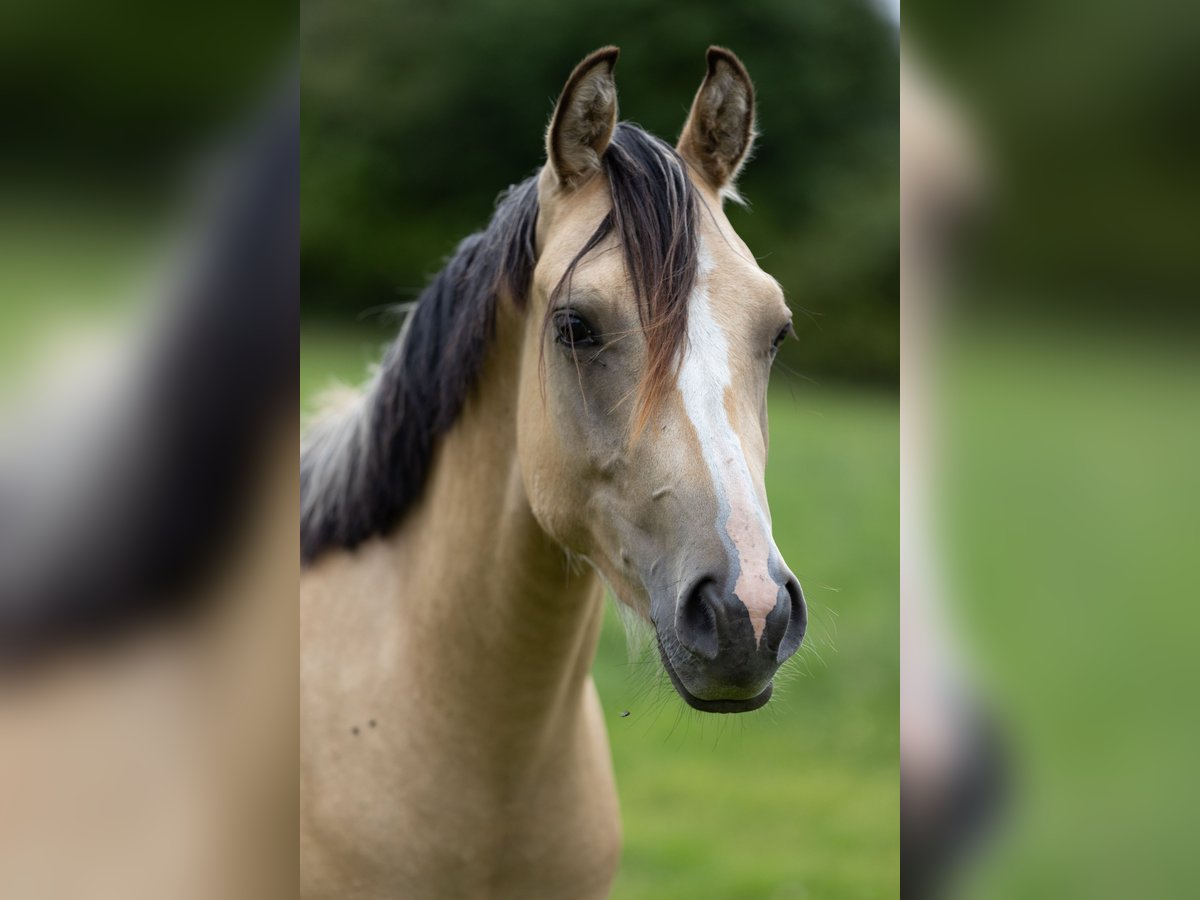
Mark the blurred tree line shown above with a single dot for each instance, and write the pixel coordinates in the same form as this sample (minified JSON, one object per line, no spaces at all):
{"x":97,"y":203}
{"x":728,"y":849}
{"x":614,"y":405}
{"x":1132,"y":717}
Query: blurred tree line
{"x":1089,"y":146}
{"x":417,"y":114}
{"x":111,"y":101}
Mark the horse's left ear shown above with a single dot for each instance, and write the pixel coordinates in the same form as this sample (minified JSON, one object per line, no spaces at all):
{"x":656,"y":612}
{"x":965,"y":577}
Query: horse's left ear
{"x":719,"y":131}
{"x":584,"y":119}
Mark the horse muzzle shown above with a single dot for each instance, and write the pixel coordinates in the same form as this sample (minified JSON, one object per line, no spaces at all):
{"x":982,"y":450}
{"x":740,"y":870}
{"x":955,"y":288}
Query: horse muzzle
{"x":713,"y":654}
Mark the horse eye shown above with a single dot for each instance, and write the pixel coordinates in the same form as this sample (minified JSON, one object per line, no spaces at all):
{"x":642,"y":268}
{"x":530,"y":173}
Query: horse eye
{"x":782,"y":336}
{"x":572,"y":330}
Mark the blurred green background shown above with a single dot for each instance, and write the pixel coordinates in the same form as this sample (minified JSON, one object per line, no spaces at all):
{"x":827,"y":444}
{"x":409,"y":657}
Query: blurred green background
{"x":1069,"y":504}
{"x":1084,"y":117}
{"x":115,"y":118}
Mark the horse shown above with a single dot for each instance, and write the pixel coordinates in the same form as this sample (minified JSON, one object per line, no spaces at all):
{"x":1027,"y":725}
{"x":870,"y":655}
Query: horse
{"x":578,"y":398}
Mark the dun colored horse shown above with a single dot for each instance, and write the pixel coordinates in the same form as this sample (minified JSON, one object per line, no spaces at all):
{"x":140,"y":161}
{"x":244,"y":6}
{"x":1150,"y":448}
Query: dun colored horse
{"x":579,"y":398}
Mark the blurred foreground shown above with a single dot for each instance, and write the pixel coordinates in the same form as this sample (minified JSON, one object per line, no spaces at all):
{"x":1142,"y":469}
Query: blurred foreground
{"x":148,"y":562}
{"x":1050,"y":439}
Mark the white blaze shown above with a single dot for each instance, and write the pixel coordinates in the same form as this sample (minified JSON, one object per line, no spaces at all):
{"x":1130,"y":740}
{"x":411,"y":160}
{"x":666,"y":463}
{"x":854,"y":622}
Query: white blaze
{"x":704,"y":378}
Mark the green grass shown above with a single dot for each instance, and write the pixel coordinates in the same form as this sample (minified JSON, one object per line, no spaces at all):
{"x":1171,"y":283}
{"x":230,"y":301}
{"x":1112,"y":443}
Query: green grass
{"x":802,"y":798}
{"x":1071,"y":485}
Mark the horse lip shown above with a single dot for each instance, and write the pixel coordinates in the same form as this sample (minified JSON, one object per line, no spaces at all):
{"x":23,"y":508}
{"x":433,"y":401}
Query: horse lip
{"x":712,"y":706}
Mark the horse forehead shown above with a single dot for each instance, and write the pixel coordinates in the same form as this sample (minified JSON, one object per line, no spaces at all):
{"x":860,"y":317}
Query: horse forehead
{"x":737,"y":291}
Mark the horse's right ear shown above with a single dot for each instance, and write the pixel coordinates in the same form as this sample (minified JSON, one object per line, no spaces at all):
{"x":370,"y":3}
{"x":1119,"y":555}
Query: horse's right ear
{"x":584,"y":119}
{"x":719,"y":131}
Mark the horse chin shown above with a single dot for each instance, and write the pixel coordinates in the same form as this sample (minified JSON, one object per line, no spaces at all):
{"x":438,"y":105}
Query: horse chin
{"x":712,"y":706}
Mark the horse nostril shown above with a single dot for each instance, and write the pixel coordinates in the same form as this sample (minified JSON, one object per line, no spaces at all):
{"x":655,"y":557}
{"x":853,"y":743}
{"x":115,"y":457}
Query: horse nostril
{"x":696,"y":620}
{"x":787,"y":622}
{"x":778,"y":621}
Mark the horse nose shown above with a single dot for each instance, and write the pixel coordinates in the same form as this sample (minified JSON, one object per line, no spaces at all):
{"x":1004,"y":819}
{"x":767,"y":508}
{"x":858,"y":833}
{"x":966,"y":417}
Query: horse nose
{"x":712,"y":623}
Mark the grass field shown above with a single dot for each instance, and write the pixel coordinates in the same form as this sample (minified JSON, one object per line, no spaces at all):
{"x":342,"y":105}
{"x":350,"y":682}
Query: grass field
{"x":802,"y":798}
{"x":1071,"y":513}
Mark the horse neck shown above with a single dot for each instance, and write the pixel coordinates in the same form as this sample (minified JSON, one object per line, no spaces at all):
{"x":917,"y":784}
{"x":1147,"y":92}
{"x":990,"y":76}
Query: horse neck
{"x":500,"y":628}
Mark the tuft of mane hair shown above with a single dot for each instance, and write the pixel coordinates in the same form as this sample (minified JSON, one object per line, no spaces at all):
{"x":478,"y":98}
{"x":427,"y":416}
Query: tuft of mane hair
{"x":364,"y":464}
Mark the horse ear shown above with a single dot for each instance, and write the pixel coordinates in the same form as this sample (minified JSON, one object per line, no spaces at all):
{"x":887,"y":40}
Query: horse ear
{"x":719,"y":131}
{"x":584,"y":119}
